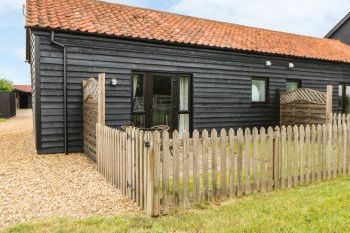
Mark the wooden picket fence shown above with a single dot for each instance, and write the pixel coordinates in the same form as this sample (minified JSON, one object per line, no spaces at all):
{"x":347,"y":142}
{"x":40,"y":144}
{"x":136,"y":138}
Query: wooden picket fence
{"x":121,"y":160}
{"x":161,"y":171}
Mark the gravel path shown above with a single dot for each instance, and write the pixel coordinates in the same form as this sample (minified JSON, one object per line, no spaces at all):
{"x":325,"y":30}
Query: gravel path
{"x":40,"y":186}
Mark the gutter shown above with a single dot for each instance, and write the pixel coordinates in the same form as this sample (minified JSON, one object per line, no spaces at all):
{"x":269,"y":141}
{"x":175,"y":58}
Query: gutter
{"x":64,"y":47}
{"x":184,"y":45}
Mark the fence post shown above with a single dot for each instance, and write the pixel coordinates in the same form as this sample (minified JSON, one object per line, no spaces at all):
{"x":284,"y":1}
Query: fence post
{"x":262,"y":159}
{"x":270,"y":158}
{"x":165,"y":171}
{"x":98,"y":153}
{"x":205,"y":139}
{"x":276,"y":159}
{"x":348,"y":144}
{"x":150,"y":202}
{"x":283,"y":157}
{"x":247,"y":159}
{"x":240,"y":141}
{"x":176,"y":167}
{"x":345,"y":147}
{"x":329,"y":102}
{"x":101,"y":98}
{"x":295,"y":156}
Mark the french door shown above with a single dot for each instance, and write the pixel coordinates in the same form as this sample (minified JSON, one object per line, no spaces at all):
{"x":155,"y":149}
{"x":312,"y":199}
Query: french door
{"x":161,"y":99}
{"x":344,"y":97}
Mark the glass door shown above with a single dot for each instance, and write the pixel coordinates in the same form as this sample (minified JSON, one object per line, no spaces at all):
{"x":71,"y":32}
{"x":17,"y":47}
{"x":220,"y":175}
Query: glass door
{"x":161,"y":109}
{"x":161,"y":99}
{"x":344,"y":97}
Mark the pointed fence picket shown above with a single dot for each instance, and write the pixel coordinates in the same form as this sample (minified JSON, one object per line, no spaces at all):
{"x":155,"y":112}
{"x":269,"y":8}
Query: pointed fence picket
{"x":161,"y":170}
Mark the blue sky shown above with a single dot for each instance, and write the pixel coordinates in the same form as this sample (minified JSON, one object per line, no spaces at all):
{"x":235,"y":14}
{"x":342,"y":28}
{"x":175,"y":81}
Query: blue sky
{"x":307,"y":17}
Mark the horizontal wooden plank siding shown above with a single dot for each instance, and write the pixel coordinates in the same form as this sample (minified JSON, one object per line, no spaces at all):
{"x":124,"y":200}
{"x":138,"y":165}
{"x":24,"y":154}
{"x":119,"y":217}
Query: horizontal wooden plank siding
{"x":221,"y":82}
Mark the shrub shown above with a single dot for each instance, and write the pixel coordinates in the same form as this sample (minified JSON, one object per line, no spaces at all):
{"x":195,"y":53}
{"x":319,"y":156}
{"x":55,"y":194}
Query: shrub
{"x":6,"y":85}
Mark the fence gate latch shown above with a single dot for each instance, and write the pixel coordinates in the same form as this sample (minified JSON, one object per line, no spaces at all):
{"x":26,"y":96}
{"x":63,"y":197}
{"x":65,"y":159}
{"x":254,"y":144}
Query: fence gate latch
{"x":147,"y":144}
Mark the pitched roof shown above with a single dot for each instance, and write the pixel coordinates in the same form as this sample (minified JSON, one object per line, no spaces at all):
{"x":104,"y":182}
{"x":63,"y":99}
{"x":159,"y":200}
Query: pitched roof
{"x":337,"y":26}
{"x":132,"y":22}
{"x":23,"y":88}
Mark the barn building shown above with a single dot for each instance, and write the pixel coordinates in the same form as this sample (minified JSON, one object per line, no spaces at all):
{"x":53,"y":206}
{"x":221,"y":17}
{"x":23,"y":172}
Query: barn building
{"x":165,"y":68}
{"x":23,"y":96}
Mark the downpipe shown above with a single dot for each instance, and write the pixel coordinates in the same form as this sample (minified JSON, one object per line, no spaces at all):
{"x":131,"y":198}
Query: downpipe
{"x":64,"y":47}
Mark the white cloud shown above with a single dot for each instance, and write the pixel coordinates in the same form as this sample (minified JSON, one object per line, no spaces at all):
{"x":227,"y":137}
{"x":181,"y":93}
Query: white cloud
{"x":309,"y":17}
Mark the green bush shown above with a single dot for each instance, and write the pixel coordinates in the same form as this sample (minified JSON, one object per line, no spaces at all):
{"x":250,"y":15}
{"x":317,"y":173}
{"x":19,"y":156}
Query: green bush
{"x":6,"y":85}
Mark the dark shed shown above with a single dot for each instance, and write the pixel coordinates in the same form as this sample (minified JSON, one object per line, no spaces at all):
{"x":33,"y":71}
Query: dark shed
{"x":23,"y":96}
{"x":170,"y":69}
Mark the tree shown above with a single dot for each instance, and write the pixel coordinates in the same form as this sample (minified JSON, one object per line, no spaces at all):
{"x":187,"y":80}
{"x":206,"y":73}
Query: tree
{"x":6,"y":85}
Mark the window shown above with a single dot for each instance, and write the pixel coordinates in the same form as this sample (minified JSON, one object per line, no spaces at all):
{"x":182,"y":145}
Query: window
{"x":161,"y":99}
{"x":292,"y":85}
{"x":184,"y":111}
{"x":259,"y":90}
{"x":344,"y":97}
{"x":138,"y":100}
{"x":340,"y":96}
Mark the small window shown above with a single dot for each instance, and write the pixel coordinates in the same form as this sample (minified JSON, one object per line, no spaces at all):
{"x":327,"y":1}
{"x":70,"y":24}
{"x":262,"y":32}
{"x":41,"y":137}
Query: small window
{"x":259,"y":90}
{"x":292,"y":85}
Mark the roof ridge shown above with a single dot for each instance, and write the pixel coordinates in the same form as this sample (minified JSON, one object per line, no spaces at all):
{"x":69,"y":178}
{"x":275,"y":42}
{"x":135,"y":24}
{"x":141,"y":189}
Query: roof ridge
{"x":120,"y":20}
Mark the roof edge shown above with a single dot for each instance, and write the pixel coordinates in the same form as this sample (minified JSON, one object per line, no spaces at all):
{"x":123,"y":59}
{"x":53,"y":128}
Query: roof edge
{"x":337,"y":26}
{"x":205,"y":19}
{"x":185,"y":44}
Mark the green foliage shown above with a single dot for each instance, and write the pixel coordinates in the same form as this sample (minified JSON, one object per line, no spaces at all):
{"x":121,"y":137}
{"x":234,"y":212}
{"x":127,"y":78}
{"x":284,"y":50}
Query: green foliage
{"x":6,"y":85}
{"x":321,"y":207}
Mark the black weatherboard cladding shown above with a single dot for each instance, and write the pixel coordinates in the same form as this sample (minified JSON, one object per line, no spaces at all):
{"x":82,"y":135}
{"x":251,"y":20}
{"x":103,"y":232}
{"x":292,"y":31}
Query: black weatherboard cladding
{"x":221,"y":82}
{"x":343,"y":32}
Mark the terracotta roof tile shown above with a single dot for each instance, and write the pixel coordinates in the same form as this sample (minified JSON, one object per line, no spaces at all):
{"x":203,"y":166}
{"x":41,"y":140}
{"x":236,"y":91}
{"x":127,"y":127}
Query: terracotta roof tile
{"x":23,"y":88}
{"x":125,"y":21}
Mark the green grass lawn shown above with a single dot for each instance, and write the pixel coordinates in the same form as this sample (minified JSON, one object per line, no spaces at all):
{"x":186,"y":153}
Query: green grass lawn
{"x":322,"y":207}
{"x":2,"y":119}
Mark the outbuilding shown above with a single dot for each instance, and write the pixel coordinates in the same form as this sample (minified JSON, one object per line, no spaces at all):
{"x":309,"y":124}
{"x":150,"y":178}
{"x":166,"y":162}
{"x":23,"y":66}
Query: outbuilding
{"x":23,"y":96}
{"x":165,"y":69}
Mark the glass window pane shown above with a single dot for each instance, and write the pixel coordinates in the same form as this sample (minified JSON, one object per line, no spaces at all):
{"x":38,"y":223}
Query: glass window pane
{"x":292,"y":85}
{"x":139,"y":120}
{"x":258,"y":90}
{"x":161,"y":100}
{"x":340,"y":96}
{"x":184,"y":123}
{"x":138,"y":98}
{"x":347,"y":99}
{"x":184,"y":83}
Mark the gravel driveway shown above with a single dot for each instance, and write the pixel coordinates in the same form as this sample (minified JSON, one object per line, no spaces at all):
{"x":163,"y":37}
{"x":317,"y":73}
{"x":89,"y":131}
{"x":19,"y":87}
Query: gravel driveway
{"x":40,"y":186}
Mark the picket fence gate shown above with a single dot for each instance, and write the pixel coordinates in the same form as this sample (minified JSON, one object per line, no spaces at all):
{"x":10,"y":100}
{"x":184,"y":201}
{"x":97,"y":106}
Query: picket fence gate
{"x":160,"y":171}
